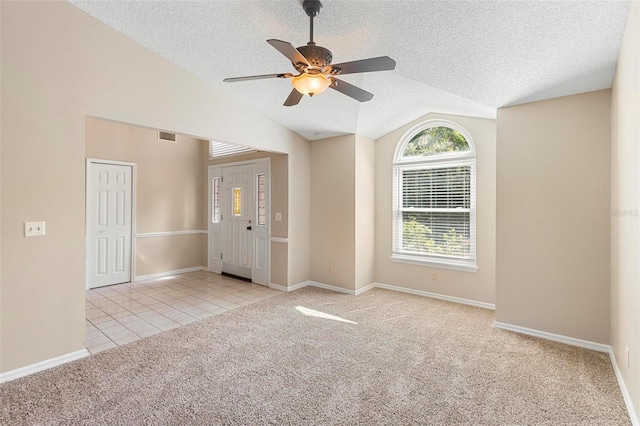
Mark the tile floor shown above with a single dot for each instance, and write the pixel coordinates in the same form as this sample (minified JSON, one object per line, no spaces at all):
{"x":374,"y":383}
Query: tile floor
{"x":122,"y":313}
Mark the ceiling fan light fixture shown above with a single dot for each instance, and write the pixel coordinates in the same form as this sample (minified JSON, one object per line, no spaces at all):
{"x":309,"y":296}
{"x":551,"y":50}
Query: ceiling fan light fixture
{"x":311,"y":84}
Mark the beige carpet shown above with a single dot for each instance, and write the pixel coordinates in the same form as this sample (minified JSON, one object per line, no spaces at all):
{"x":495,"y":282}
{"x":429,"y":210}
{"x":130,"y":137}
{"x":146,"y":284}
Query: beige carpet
{"x":406,"y":360}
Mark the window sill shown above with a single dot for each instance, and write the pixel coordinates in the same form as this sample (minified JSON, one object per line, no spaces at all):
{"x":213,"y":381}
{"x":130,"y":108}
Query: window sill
{"x":443,"y":264}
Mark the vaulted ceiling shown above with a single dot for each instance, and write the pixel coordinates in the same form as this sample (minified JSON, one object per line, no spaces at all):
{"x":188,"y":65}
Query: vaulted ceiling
{"x":456,"y":57}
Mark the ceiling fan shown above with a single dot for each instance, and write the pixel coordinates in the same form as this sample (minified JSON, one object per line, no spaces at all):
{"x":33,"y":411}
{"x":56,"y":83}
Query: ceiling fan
{"x":315,"y":71}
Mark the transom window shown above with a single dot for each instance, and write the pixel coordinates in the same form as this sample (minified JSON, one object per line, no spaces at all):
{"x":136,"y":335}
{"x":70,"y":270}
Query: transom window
{"x":434,"y":197}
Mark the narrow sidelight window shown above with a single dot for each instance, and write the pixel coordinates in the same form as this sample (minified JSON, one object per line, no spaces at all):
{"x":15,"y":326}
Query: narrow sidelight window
{"x":262,"y":199}
{"x":215,"y":196}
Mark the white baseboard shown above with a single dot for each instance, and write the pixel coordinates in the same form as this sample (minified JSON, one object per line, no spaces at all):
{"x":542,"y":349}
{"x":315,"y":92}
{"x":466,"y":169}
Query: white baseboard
{"x":386,"y":287}
{"x":365,"y":289}
{"x":298,"y":286}
{"x":331,"y":287}
{"x":444,"y":297}
{"x":623,"y":388}
{"x":288,"y":289}
{"x":319,"y":285}
{"x":168,"y":273}
{"x":204,"y":268}
{"x":278,"y":287}
{"x":600,"y":347}
{"x":43,"y":365}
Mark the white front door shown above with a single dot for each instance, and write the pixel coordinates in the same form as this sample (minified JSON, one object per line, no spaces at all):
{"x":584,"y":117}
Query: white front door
{"x":109,"y":223}
{"x":237,"y":220}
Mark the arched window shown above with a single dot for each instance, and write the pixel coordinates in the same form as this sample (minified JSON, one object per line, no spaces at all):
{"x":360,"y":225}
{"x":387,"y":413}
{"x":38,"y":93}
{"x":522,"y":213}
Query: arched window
{"x":434,"y":197}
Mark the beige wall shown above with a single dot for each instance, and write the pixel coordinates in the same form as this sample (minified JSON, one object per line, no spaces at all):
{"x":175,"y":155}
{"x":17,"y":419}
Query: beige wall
{"x":333,"y":211}
{"x":1,"y":104}
{"x":553,"y":232}
{"x":168,"y":253}
{"x":279,"y":204}
{"x":299,"y":233}
{"x":279,"y":265}
{"x":477,"y":286}
{"x":365,"y":205}
{"x":625,"y":197}
{"x":59,"y":65}
{"x":343,"y":211}
{"x":168,"y":190}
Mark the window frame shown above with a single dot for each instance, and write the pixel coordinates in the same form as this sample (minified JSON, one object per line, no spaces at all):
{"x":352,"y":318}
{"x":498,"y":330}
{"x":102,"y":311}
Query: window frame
{"x":455,"y":159}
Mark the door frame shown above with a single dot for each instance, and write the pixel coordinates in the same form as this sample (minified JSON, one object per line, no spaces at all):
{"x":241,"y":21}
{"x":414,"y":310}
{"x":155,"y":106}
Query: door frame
{"x":209,"y":224}
{"x":88,"y":187}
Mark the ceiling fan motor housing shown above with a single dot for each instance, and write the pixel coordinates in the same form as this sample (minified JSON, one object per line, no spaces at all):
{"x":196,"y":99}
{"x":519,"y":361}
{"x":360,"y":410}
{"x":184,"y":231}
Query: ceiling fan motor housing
{"x":317,"y":56}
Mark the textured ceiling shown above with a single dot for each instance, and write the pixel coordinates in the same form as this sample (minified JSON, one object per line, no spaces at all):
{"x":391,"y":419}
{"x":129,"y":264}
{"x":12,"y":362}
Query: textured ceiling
{"x":457,"y":57}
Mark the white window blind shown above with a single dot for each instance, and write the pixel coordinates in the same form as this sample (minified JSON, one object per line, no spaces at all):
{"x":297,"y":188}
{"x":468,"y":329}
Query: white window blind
{"x":222,"y":149}
{"x":435,"y":206}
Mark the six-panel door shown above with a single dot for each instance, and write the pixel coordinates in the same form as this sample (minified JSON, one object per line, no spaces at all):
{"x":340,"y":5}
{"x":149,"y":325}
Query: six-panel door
{"x":109,"y":224}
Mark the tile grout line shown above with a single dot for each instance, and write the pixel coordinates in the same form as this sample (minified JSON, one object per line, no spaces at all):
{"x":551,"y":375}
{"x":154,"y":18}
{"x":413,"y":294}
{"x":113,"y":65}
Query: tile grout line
{"x":189,"y":292}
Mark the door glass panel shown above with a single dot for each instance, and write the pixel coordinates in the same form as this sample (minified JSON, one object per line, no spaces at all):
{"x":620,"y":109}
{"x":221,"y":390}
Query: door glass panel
{"x":262,"y":199}
{"x":237,"y":201}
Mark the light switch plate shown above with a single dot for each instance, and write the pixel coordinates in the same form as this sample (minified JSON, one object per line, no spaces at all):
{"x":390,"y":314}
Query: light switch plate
{"x":33,"y":229}
{"x":278,"y":217}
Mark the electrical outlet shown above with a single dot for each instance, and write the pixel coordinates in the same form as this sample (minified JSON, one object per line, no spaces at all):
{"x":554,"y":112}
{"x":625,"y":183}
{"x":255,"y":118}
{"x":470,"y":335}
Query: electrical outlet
{"x":278,"y":217}
{"x":627,"y":349}
{"x":434,"y":276}
{"x":33,"y":229}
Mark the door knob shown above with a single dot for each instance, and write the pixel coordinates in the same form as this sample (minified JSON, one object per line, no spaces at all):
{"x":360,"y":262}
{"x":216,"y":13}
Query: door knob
{"x":248,"y":228}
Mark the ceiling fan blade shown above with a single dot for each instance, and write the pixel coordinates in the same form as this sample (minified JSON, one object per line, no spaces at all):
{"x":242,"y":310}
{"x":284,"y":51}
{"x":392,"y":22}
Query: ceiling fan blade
{"x":381,"y":63}
{"x":350,"y":90}
{"x":289,"y":51}
{"x":293,"y":99}
{"x":257,"y":77}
